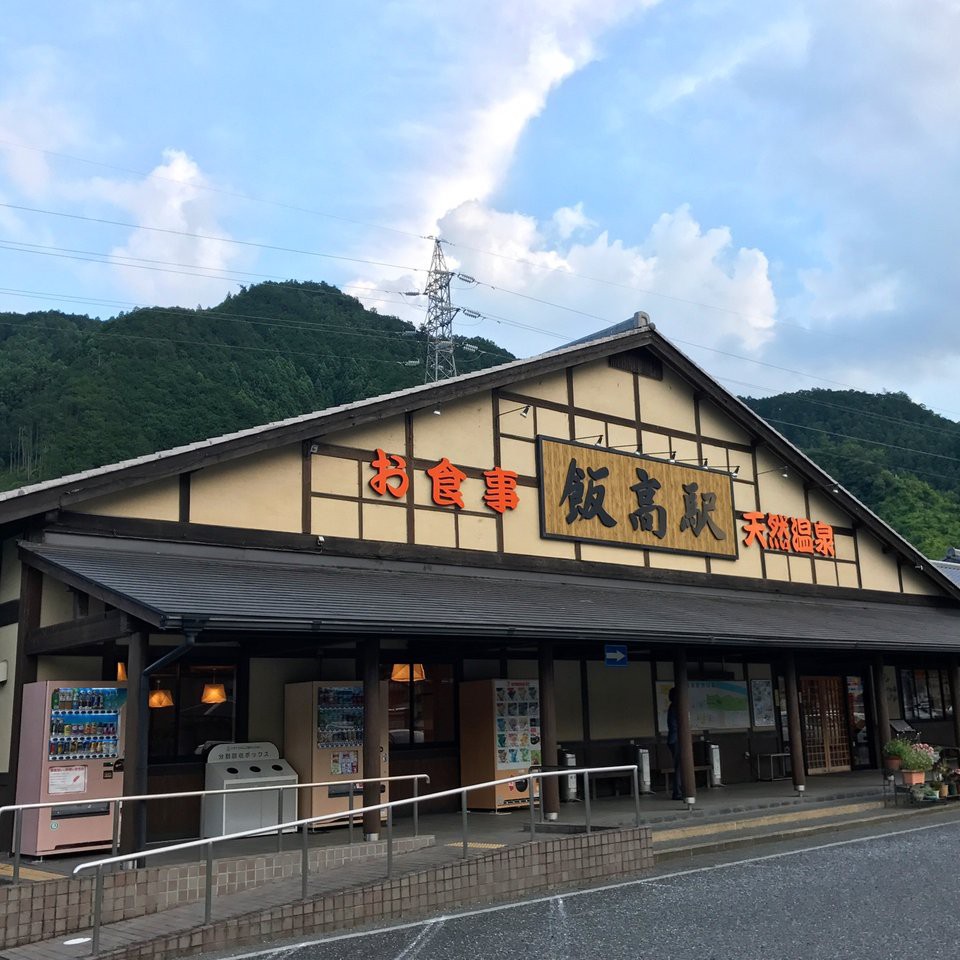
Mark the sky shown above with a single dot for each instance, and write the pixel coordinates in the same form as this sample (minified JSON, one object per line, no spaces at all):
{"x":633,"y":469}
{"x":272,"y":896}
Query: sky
{"x":775,"y":185}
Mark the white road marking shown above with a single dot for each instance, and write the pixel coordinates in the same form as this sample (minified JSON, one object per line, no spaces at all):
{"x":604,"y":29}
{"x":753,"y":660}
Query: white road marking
{"x":640,"y":881}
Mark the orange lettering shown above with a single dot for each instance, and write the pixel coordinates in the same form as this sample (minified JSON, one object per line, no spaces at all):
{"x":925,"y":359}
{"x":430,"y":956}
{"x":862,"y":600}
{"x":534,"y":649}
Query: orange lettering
{"x":446,"y":484}
{"x":779,"y":526}
{"x":389,"y":467}
{"x":802,"y":535}
{"x":501,"y":492}
{"x":755,"y":529}
{"x":823,"y":540}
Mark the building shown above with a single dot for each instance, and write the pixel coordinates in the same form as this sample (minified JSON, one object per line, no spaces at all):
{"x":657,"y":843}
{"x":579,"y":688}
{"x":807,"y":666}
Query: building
{"x":605,"y":518}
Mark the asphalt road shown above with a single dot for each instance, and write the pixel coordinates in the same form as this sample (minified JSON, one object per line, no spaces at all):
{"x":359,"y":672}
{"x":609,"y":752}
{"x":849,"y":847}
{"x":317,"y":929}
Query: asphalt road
{"x":870,"y":896}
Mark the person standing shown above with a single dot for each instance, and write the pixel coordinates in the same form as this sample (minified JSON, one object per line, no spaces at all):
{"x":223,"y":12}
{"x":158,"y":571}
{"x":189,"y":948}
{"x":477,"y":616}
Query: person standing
{"x":673,"y":742}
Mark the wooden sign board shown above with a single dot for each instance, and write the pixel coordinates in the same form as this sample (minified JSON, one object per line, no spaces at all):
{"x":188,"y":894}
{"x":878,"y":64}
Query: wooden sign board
{"x":597,"y":495}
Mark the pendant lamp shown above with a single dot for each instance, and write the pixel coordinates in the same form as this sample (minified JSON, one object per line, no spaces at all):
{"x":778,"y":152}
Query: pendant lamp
{"x":213,"y":693}
{"x":121,"y":670}
{"x":160,"y":698}
{"x":401,"y":673}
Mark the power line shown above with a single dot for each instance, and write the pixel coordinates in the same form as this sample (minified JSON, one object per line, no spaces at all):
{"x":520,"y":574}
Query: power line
{"x":211,"y":189}
{"x":202,"y":236}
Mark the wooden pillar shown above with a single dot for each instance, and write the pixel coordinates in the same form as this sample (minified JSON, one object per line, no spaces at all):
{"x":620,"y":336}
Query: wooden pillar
{"x":372,"y":723}
{"x":883,"y":708}
{"x":548,"y":731}
{"x":25,"y":671}
{"x":136,"y":735}
{"x":793,"y":722}
{"x":955,"y":696}
{"x":684,"y":735}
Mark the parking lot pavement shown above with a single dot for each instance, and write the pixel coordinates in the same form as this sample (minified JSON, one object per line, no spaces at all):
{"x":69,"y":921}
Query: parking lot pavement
{"x":863,"y":894}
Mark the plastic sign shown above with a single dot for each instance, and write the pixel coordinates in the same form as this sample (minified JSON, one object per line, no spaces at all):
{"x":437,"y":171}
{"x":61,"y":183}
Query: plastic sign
{"x":391,"y":478}
{"x":615,"y":655}
{"x":773,"y":531}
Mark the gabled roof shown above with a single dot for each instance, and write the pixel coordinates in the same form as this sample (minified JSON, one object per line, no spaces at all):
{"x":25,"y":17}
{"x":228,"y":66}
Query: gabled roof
{"x":65,"y":491}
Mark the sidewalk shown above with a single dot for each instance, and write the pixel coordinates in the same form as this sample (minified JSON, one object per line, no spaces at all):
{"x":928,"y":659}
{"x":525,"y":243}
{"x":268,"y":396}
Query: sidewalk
{"x":507,"y":829}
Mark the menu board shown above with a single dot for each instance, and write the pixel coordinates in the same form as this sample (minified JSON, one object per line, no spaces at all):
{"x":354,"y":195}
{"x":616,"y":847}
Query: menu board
{"x":517,"y":719}
{"x":340,"y":716}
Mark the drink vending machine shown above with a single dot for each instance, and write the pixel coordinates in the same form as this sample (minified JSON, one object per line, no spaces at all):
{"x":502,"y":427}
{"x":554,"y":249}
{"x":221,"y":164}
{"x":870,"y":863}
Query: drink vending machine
{"x":323,"y":740}
{"x":71,"y":748}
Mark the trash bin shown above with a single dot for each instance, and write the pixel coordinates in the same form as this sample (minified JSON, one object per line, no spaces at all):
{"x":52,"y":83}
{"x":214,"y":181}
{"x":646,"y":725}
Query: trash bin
{"x":232,"y":766}
{"x":568,"y":784}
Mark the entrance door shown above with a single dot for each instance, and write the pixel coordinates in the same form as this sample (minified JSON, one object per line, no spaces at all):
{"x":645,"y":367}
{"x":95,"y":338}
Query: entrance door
{"x":826,"y":739}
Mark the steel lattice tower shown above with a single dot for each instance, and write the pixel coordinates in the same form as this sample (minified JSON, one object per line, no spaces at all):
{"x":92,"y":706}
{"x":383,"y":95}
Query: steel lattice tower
{"x":438,"y":326}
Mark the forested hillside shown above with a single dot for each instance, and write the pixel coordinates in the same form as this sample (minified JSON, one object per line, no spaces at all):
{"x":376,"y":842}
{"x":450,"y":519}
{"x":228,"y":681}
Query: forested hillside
{"x":76,"y":392}
{"x":901,"y":459}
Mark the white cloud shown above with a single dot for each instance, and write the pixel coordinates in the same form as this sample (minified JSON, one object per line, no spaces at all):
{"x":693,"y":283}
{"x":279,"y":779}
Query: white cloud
{"x":36,"y":112}
{"x":677,"y":269}
{"x":171,"y":198}
{"x":570,"y":220}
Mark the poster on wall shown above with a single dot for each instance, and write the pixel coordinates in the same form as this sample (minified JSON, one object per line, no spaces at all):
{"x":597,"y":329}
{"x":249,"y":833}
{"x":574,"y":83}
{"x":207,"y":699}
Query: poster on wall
{"x":714,"y":704}
{"x":761,"y":696}
{"x":517,"y":722}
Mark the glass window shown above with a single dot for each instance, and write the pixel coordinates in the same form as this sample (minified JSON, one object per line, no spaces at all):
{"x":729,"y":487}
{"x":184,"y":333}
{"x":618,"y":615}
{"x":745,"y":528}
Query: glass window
{"x":192,"y":709}
{"x":926,"y":694}
{"x":421,"y":703}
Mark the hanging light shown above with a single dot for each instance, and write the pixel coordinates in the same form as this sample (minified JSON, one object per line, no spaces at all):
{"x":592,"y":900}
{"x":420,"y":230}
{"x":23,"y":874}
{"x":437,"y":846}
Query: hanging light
{"x":121,"y":670}
{"x":213,"y":693}
{"x":401,"y":673}
{"x":160,"y":698}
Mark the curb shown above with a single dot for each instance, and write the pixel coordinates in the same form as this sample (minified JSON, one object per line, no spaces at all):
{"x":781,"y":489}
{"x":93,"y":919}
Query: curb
{"x":733,"y":843}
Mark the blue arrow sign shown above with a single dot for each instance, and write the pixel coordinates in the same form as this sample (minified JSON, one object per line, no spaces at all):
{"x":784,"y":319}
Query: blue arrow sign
{"x":615,"y":654}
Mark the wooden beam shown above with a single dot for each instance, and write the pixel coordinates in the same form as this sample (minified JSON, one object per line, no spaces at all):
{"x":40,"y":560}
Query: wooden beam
{"x":136,"y":720}
{"x":883,"y":708}
{"x":372,"y":723}
{"x":548,"y":731}
{"x":77,"y":633}
{"x":686,"y":772}
{"x":793,"y":722}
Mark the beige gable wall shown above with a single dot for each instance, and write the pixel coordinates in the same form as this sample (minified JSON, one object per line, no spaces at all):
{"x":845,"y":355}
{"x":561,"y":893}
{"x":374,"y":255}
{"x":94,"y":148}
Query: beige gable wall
{"x":265,"y":491}
{"x":150,"y":501}
{"x":260,"y":492}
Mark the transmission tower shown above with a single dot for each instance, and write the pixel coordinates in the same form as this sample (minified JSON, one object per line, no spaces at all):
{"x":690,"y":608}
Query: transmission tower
{"x":438,"y":326}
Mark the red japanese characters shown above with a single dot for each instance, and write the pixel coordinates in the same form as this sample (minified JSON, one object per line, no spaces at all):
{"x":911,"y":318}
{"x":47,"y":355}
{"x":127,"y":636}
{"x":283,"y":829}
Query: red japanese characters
{"x":391,"y":477}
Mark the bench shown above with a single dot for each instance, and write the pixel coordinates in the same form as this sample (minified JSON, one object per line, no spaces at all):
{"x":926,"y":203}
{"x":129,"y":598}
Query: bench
{"x":669,"y":772}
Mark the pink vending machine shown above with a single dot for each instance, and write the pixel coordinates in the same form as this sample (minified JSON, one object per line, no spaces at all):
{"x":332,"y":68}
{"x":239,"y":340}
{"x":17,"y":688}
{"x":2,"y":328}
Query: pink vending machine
{"x":71,"y":748}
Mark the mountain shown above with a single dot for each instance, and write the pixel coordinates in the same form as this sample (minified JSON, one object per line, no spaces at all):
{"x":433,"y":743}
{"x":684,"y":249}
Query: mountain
{"x":77,"y":392}
{"x":901,"y":459}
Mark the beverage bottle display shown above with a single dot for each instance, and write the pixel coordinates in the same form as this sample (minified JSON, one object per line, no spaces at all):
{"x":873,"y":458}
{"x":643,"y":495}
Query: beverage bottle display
{"x":55,"y":703}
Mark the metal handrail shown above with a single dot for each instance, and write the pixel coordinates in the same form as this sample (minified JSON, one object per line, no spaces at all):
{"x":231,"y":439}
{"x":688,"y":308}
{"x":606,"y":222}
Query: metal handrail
{"x":18,"y":808}
{"x":304,"y":823}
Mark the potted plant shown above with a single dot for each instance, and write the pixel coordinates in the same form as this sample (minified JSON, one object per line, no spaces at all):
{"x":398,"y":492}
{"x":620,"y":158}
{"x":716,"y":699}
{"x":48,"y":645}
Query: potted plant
{"x":919,"y":759}
{"x":894,"y":752}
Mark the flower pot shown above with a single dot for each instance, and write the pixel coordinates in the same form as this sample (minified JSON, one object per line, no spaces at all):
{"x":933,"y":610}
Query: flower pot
{"x":892,"y":763}
{"x":944,"y":791}
{"x":912,"y":778}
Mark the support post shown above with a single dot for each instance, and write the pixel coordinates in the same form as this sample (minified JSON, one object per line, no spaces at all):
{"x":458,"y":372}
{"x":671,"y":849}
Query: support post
{"x":549,"y":786}
{"x":793,"y":721}
{"x":372,"y":721}
{"x":133,"y":826}
{"x":684,"y":734}
{"x":882,"y":707}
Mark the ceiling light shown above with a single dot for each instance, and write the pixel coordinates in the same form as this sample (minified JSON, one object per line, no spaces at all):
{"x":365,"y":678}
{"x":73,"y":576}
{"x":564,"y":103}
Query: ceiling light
{"x":213,"y":693}
{"x":160,"y":698}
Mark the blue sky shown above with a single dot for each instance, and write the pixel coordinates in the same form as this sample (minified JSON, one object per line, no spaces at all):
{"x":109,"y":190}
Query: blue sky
{"x":775,"y":182}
